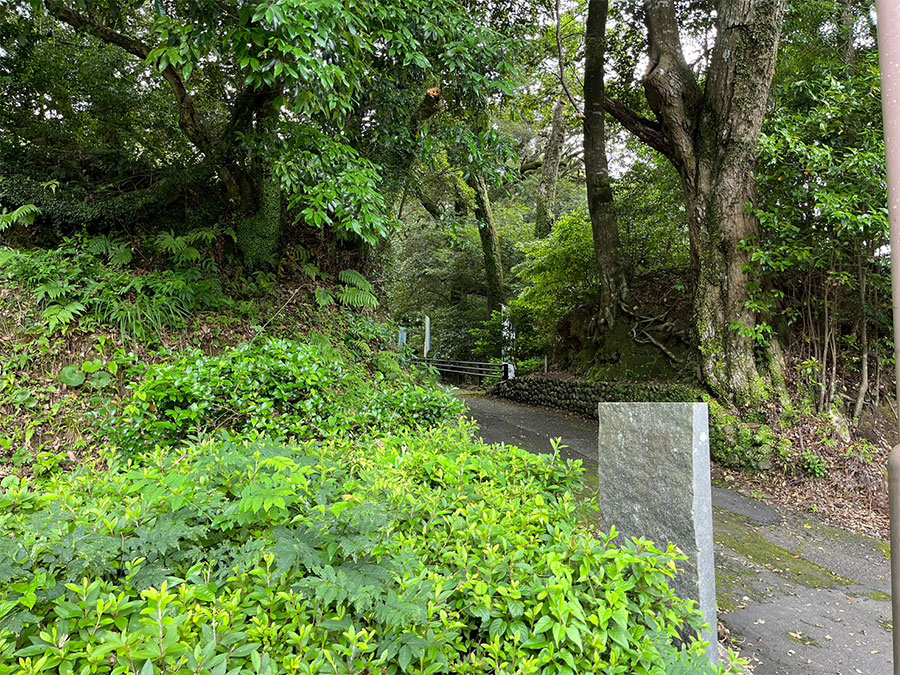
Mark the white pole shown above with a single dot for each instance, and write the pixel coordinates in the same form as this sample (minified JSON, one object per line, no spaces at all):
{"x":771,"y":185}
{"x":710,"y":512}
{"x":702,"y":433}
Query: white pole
{"x":427,"y":335}
{"x":889,"y":59}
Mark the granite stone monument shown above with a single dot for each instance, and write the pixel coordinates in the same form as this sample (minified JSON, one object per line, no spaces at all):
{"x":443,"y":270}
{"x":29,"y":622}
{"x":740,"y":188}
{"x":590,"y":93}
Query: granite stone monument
{"x":655,"y":483}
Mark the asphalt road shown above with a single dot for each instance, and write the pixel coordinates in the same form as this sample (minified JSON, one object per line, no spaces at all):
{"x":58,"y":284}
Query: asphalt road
{"x":797,"y":596}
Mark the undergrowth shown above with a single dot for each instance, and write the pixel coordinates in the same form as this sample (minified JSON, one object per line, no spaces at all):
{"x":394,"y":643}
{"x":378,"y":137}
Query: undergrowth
{"x":381,"y":538}
{"x":418,"y":551}
{"x":289,"y":501}
{"x":272,"y":387}
{"x":87,"y":282}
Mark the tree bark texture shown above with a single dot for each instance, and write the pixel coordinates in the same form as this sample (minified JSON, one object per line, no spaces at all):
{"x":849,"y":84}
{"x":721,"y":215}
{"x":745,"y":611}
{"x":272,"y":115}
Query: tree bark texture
{"x":545,"y":210}
{"x":490,"y":245}
{"x":847,"y":21}
{"x":604,"y":225}
{"x":710,"y":133}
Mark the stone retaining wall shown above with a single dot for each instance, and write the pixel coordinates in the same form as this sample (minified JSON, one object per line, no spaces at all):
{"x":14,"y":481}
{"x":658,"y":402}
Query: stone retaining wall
{"x":581,"y":397}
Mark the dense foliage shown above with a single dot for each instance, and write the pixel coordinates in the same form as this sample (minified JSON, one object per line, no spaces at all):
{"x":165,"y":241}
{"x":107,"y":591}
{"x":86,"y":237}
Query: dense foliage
{"x":296,"y":108}
{"x":823,"y":210}
{"x":338,"y":520}
{"x":277,"y":388}
{"x":210,"y":465}
{"x":89,"y":282}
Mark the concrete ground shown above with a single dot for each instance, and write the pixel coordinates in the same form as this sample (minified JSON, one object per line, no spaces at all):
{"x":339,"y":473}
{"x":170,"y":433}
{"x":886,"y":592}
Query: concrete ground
{"x":798,"y":597}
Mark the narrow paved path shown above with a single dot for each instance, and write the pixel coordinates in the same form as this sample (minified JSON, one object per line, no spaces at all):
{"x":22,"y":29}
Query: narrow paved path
{"x":799,"y":597}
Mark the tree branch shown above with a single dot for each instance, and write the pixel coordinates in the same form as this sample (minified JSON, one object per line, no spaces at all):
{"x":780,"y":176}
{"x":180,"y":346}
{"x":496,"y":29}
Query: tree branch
{"x":670,"y":85}
{"x":188,"y":119}
{"x":562,"y":60}
{"x":646,"y":130}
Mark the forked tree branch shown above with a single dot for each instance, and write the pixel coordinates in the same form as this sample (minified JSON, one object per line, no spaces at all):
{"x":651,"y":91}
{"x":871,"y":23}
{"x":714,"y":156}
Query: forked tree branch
{"x":647,"y":131}
{"x":562,"y":62}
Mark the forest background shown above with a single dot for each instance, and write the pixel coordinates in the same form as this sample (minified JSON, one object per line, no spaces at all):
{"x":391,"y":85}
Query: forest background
{"x":685,"y":194}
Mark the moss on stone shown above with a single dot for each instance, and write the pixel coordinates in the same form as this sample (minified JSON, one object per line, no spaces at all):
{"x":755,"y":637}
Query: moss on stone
{"x":804,"y":640}
{"x":734,"y":585}
{"x":735,"y":534}
{"x":877,"y":596}
{"x":857,"y":541}
{"x":736,"y":443}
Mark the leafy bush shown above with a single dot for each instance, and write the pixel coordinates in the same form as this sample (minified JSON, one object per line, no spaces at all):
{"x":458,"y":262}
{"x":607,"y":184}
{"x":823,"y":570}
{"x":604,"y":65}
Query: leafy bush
{"x":559,"y":271}
{"x":814,"y":464}
{"x":270,"y":387}
{"x":417,"y":552}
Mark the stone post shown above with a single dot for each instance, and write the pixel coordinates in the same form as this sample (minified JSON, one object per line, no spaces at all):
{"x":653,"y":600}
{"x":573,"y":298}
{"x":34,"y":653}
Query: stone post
{"x":655,"y":483}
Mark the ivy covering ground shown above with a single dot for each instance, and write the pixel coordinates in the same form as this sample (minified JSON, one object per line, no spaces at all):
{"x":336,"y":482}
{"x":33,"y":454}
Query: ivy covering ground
{"x":294,"y":507}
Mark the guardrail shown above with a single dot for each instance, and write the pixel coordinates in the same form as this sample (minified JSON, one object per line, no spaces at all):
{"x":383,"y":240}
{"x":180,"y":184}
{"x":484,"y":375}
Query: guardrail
{"x":479,"y":369}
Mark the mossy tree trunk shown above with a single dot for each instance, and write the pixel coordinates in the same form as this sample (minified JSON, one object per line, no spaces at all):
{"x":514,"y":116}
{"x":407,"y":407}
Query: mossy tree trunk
{"x":490,"y":244}
{"x":604,"y":224}
{"x":258,"y":235}
{"x":718,"y":219}
{"x":259,"y":201}
{"x":710,"y":133}
{"x":545,"y":208}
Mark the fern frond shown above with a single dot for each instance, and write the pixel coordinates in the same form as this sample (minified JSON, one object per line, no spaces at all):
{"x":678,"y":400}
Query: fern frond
{"x":169,"y":243}
{"x":310,"y":270}
{"x":24,"y":215}
{"x":324,"y":297}
{"x":52,"y":290}
{"x":120,"y":255}
{"x":357,"y":297}
{"x":355,"y":279}
{"x":205,"y":235}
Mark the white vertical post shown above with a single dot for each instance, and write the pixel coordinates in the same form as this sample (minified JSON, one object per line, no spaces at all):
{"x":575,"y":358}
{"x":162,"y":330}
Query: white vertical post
{"x":427,"y":335}
{"x":889,"y":59}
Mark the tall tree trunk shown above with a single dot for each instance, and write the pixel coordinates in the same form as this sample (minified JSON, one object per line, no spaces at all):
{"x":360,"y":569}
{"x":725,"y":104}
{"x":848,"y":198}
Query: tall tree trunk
{"x":847,"y":20}
{"x":259,"y":234}
{"x":735,"y":98}
{"x":863,"y":344}
{"x":718,"y":220}
{"x":604,"y":225}
{"x":258,"y":197}
{"x":242,"y":186}
{"x":544,"y":215}
{"x":490,"y":245}
{"x":710,"y":133}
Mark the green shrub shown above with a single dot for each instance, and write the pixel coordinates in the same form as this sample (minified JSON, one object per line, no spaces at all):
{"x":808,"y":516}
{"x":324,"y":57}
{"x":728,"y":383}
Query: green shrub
{"x":416,"y":552}
{"x":273,"y":387}
{"x":559,"y":272}
{"x":814,"y":464}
